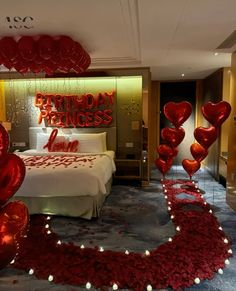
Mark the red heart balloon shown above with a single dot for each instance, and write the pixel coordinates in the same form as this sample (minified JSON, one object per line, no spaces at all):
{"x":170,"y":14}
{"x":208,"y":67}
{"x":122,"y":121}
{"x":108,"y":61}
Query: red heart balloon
{"x":163,"y":166}
{"x":177,"y":113}
{"x":175,"y":151}
{"x":14,"y":218}
{"x":4,"y":141}
{"x":173,"y":136}
{"x":216,"y":113}
{"x":191,"y":166}
{"x":12,"y":173}
{"x":198,"y":152}
{"x":165,"y":152}
{"x":205,"y":135}
{"x":8,"y":249}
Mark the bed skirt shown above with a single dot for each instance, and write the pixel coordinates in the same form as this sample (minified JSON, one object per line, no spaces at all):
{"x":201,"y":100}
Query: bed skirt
{"x":75,"y":206}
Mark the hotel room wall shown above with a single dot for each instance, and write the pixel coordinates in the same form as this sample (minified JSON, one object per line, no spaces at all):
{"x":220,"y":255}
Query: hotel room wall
{"x":2,"y":102}
{"x":231,"y":169}
{"x":128,"y":108}
{"x":212,"y":91}
{"x":154,"y":120}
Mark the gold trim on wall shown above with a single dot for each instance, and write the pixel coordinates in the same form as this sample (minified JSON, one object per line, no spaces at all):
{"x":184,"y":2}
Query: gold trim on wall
{"x":2,"y":102}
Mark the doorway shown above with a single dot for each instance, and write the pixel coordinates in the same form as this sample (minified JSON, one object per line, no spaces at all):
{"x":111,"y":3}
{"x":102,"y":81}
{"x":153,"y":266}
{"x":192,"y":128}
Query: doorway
{"x":178,"y":92}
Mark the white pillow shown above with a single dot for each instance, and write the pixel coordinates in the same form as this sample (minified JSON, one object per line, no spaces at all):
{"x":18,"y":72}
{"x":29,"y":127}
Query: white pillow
{"x":42,"y":140}
{"x":90,"y":142}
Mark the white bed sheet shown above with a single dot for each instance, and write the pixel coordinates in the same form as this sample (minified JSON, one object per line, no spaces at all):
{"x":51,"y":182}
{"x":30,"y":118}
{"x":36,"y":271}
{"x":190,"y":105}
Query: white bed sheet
{"x":67,"y":174}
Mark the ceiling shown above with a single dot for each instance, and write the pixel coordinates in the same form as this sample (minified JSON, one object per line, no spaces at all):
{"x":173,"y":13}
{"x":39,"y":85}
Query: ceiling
{"x":172,"y":37}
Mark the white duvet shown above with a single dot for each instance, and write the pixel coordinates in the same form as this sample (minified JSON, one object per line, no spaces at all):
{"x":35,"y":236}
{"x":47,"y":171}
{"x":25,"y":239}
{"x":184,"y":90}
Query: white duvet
{"x":69,"y":174}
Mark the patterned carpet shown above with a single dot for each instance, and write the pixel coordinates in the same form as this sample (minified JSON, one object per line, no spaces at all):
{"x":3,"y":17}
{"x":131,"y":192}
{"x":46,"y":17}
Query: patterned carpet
{"x":134,"y":219}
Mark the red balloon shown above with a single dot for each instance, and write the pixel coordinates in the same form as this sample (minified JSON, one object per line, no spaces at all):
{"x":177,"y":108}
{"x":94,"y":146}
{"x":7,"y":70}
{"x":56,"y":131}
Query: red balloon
{"x":12,"y":173}
{"x":1,"y":57}
{"x":65,"y":66}
{"x":66,"y":45}
{"x":173,"y":136}
{"x":8,"y":64}
{"x":35,"y":68}
{"x":85,"y":63}
{"x":77,"y":53}
{"x":216,"y":113}
{"x":49,"y":67}
{"x":175,"y":151}
{"x":27,"y":48}
{"x":14,"y":218}
{"x":177,"y":113}
{"x":191,"y":166}
{"x":163,"y":166}
{"x":165,"y":152}
{"x":9,"y":48}
{"x":21,"y":67}
{"x":45,"y":47}
{"x":8,"y":249}
{"x":198,"y":152}
{"x":4,"y":142}
{"x":205,"y":136}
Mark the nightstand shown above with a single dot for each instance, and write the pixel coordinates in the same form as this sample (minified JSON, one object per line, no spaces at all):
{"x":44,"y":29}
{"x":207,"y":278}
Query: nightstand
{"x":128,"y":169}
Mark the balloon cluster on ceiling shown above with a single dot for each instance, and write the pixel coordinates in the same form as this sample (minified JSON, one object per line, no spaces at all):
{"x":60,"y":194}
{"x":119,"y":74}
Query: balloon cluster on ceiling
{"x":43,"y":54}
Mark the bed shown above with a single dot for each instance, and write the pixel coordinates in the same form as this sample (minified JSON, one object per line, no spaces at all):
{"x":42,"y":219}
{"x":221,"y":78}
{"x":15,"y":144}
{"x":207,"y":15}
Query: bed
{"x":68,"y":183}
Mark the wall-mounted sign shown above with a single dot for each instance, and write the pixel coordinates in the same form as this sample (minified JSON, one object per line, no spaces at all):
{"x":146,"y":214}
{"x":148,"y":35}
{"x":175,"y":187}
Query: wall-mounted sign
{"x":19,"y":22}
{"x":86,"y":110}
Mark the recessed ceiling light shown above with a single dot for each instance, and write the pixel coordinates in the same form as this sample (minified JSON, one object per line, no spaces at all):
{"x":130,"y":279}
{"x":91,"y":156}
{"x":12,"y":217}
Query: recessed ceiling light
{"x":182,"y":75}
{"x":216,"y":54}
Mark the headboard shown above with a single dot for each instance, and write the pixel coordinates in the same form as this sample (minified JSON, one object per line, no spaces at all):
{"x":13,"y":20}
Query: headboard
{"x":111,"y":134}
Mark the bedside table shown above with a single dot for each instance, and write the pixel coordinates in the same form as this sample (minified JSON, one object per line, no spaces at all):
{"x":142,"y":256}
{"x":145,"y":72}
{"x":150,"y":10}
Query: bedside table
{"x":128,"y":169}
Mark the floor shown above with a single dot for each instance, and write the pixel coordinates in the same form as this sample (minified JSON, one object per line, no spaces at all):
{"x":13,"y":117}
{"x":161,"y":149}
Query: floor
{"x":134,"y":219}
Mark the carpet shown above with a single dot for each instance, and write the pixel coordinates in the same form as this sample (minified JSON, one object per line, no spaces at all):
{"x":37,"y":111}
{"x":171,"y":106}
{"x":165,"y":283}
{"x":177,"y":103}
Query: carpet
{"x":134,"y":219}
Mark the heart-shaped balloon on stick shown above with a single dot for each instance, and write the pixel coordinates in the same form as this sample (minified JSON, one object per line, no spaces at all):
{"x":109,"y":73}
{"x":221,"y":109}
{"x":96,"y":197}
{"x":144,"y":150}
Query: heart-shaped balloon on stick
{"x":177,"y":113}
{"x":191,"y":166}
{"x":216,"y":113}
{"x":173,"y":136}
{"x":205,"y":136}
{"x":198,"y":152}
{"x":165,"y":152}
{"x":163,"y":166}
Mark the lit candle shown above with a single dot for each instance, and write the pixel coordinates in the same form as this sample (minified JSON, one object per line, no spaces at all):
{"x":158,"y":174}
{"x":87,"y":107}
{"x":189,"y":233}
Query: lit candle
{"x":50,"y":278}
{"x":197,"y":280}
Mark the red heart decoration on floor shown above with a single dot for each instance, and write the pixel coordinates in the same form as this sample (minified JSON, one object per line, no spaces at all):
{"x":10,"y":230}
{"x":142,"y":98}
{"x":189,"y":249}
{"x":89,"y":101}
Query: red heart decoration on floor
{"x":12,"y":173}
{"x":191,"y":166}
{"x":205,"y":136}
{"x":163,"y":166}
{"x":216,"y":113}
{"x":165,"y":152}
{"x":198,"y":152}
{"x":177,"y":113}
{"x":173,"y":136}
{"x":4,"y":141}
